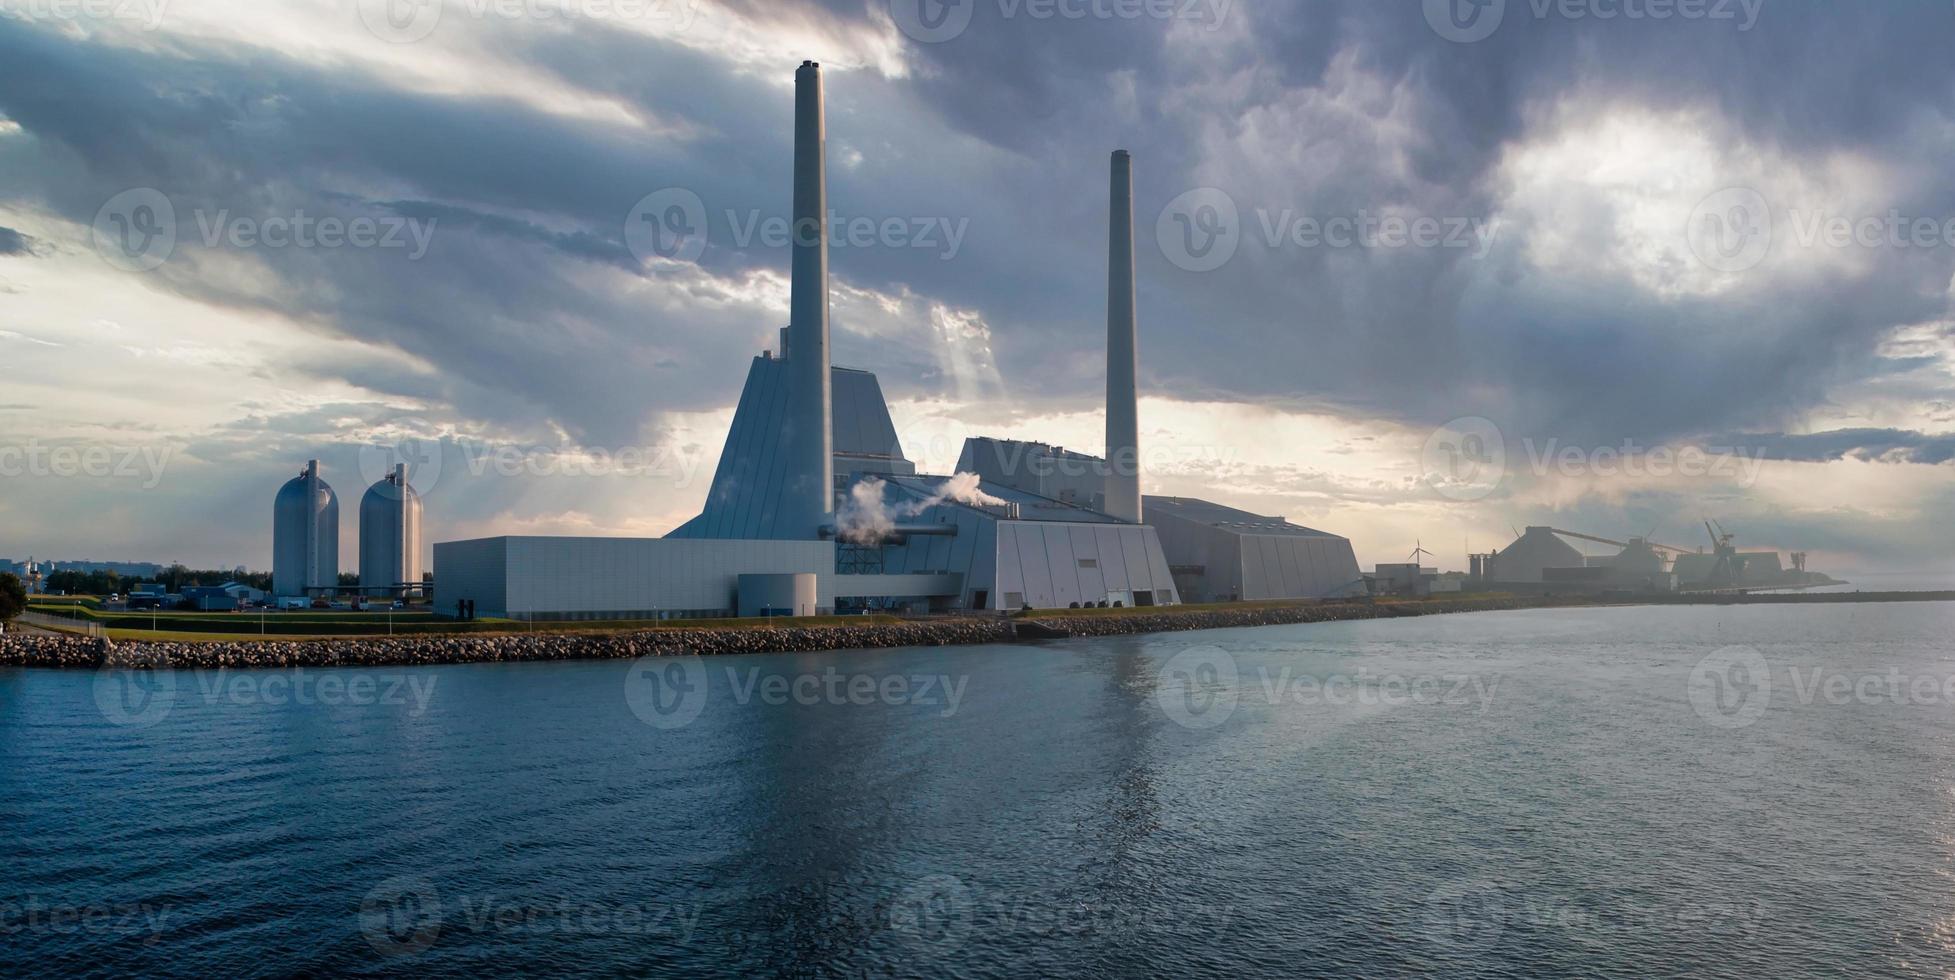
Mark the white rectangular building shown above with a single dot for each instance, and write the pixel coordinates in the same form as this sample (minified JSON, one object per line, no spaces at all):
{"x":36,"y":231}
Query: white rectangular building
{"x":616,"y":578}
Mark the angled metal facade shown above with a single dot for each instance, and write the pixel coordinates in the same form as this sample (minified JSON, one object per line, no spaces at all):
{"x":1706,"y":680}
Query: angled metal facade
{"x":746,"y":499}
{"x":1221,"y":554}
{"x":1047,"y":554}
{"x":1034,"y":467}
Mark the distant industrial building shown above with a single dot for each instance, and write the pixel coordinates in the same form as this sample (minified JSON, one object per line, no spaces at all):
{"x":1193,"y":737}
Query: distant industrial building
{"x":124,"y":569}
{"x":209,"y":598}
{"x":244,"y":594}
{"x":1540,"y":560}
{"x":1403,"y":579}
{"x":305,"y":536}
{"x":1527,"y":559}
{"x":815,"y":505}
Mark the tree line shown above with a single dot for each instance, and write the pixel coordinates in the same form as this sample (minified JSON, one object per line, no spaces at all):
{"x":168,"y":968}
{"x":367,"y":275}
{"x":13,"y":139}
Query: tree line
{"x":174,"y":579}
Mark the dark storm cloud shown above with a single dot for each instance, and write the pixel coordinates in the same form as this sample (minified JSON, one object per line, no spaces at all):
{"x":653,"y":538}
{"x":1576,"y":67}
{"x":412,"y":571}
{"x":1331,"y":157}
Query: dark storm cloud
{"x":15,"y":243}
{"x":1008,"y":126}
{"x":1866,"y":445}
{"x":1419,"y":336}
{"x":492,"y":301}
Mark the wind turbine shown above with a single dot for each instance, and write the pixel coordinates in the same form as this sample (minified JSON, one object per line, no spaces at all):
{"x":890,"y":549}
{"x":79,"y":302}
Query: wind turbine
{"x":1420,"y":550}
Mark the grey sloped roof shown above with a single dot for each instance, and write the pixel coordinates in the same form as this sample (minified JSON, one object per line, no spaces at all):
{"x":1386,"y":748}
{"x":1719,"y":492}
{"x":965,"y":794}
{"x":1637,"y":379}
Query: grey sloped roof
{"x":862,"y":423}
{"x":1225,"y":517}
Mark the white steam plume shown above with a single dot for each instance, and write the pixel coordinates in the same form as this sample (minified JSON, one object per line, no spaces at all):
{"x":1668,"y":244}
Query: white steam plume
{"x":866,"y":519}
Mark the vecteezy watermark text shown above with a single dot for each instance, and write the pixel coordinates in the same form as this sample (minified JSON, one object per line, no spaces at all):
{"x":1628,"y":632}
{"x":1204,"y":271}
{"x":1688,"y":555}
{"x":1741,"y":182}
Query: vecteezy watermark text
{"x":1734,"y":687}
{"x":146,"y":15}
{"x":937,"y":21}
{"x":672,"y":225}
{"x":139,"y":230}
{"x":1468,"y":458}
{"x":406,"y":916}
{"x":1202,"y":687}
{"x":1632,"y":459}
{"x":679,"y":464}
{"x":1468,"y":21}
{"x":672,"y":692}
{"x":408,"y":21}
{"x":1476,"y":915}
{"x":141,"y":698}
{"x":144,"y":463}
{"x":428,"y":454}
{"x":1371,"y":230}
{"x":1202,"y":230}
{"x":1736,"y":229}
{"x":941,"y":912}
{"x":34,"y":914}
{"x":939,"y":234}
{"x":304,"y":231}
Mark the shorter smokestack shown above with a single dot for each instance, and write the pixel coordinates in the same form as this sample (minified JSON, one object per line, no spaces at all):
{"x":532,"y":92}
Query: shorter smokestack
{"x":1122,"y":350}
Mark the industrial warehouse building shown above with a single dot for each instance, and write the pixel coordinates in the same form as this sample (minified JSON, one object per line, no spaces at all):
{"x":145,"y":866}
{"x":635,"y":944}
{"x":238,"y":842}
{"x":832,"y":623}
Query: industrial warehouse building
{"x":1020,"y":549}
{"x":1214,"y":553}
{"x":617,"y":578}
{"x":1527,"y":560}
{"x":1222,"y":554}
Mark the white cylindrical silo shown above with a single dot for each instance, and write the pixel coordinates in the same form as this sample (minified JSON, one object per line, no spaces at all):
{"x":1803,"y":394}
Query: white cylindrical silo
{"x":390,"y":536}
{"x":305,"y":535}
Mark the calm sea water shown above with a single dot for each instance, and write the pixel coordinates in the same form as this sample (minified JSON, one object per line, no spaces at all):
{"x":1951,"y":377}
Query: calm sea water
{"x":1616,"y":792}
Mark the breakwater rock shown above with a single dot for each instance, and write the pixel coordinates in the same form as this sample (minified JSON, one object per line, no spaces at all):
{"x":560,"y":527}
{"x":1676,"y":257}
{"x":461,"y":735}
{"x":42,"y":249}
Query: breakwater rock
{"x":17,"y":650}
{"x":85,"y":653}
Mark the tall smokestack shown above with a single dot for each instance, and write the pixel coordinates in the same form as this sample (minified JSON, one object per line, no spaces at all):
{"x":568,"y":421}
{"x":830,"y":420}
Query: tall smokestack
{"x":1122,"y":351}
{"x":809,"y":503}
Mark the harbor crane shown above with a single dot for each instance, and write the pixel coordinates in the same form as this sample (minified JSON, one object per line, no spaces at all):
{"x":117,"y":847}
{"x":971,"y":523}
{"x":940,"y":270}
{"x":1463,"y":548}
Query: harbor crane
{"x":1725,"y":545}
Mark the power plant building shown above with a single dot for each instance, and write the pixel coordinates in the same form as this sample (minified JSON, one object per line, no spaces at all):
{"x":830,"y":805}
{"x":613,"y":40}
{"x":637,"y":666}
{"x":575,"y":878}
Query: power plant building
{"x":813,"y":481}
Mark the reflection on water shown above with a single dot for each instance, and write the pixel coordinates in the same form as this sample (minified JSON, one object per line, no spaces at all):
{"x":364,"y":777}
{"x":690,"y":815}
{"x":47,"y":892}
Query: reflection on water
{"x":1616,"y":792}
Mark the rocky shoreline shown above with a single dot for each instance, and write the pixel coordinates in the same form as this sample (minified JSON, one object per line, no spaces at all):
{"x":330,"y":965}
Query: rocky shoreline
{"x":85,"y":653}
{"x":92,"y":653}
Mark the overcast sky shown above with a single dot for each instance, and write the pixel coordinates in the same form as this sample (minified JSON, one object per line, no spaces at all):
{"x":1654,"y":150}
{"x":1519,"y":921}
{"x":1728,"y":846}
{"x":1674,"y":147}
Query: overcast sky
{"x":1409,"y":271}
